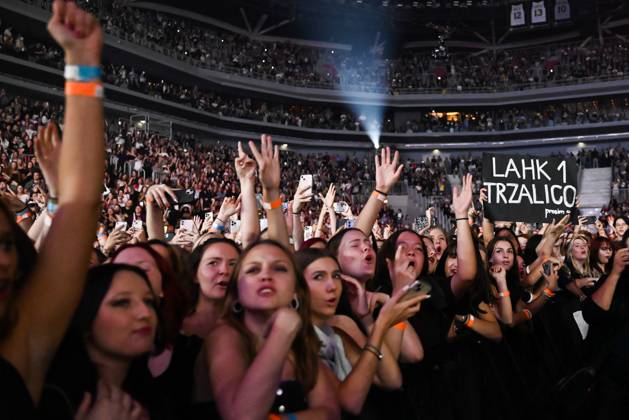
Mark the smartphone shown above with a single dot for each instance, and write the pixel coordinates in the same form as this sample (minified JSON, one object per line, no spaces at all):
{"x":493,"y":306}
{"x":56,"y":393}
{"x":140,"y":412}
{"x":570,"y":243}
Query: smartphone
{"x":209,"y":215}
{"x":187,"y":224}
{"x":350,"y":223}
{"x":184,"y":196}
{"x":305,"y":180}
{"x":307,"y":233}
{"x":421,"y":222}
{"x":137,"y":225}
{"x":547,"y":267}
{"x":264,"y":223}
{"x":341,"y":207}
{"x":121,"y":226}
{"x":284,"y":207}
{"x":590,"y":220}
{"x":417,"y":288}
{"x":234,"y":226}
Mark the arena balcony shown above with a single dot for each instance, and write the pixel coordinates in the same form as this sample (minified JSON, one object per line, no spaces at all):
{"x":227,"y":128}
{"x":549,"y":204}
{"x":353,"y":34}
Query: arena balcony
{"x":187,"y":69}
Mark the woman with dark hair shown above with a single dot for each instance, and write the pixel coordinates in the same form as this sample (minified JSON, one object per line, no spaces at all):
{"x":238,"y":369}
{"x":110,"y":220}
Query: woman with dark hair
{"x":38,"y":298}
{"x":111,"y":334}
{"x":212,"y":263}
{"x":263,"y":356}
{"x":346,"y":350}
{"x":173,"y":305}
{"x":601,"y":256}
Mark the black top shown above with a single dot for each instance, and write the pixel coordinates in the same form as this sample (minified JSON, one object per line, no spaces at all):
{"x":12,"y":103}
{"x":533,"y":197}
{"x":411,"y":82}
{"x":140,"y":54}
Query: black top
{"x":290,"y":397}
{"x":15,"y":399}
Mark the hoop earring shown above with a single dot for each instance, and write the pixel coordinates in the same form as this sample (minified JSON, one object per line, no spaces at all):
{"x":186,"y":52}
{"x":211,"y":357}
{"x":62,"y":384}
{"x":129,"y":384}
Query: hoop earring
{"x":236,"y":307}
{"x":294,"y":303}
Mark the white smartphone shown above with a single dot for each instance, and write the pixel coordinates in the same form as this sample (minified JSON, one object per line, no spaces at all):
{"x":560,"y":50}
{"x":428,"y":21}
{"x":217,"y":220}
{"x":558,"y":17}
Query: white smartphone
{"x":234,"y":226}
{"x":341,"y":207}
{"x":137,"y":225}
{"x":209,"y":215}
{"x":307,"y":233}
{"x":187,"y":224}
{"x":264,"y":223}
{"x":305,"y":180}
{"x":121,"y":226}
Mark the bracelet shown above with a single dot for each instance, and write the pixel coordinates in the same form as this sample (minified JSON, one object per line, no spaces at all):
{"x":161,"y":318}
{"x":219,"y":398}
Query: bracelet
{"x":297,"y":213}
{"x":548,"y":293}
{"x":461,"y":218}
{"x":52,"y":206}
{"x":382,"y":193}
{"x":527,"y":314}
{"x":469,"y":322}
{"x":379,"y":196}
{"x":89,"y":89}
{"x":23,"y":214}
{"x":218,"y":227}
{"x":81,"y":73}
{"x":218,"y":219}
{"x":504,"y":294}
{"x":272,"y":205}
{"x":374,"y":350}
{"x":400,"y":326}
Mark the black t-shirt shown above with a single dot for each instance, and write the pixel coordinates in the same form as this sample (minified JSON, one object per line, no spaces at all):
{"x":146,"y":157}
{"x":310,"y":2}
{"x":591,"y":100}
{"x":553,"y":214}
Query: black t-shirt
{"x":15,"y":399}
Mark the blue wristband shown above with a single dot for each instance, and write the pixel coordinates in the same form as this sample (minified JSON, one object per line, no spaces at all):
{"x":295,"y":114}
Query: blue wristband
{"x":291,"y":416}
{"x":218,"y":227}
{"x":82,"y":73}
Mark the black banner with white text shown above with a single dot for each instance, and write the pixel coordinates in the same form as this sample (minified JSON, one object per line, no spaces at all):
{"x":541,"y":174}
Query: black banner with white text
{"x":527,"y":188}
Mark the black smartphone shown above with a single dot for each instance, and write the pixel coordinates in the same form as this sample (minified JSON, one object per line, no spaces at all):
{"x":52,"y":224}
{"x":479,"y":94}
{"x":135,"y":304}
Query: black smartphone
{"x":590,"y":220}
{"x":547,"y":267}
{"x":184,"y":196}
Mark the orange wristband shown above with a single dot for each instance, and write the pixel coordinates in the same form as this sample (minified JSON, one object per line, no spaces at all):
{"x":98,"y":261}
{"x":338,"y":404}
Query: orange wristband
{"x":504,"y":294}
{"x":470,"y":321}
{"x":274,"y":417}
{"x":548,"y":293}
{"x":379,"y":196}
{"x":89,"y":89}
{"x":400,"y":326}
{"x":273,"y":204}
{"x":528,"y":314}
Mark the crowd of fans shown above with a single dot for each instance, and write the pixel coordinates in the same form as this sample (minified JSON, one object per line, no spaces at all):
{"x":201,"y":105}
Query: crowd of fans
{"x":118,"y":300}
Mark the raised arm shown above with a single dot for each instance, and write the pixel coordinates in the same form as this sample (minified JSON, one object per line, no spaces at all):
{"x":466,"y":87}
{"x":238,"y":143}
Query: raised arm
{"x":47,"y":150}
{"x":156,"y":202}
{"x":51,"y":294}
{"x":604,"y":296}
{"x":268,"y":159}
{"x":246,"y":171}
{"x":246,"y":391}
{"x":465,"y":249}
{"x":387,"y":174}
{"x":302,"y":196}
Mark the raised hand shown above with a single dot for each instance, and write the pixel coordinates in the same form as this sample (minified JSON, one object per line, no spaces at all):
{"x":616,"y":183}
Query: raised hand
{"x":357,"y":295}
{"x":268,"y":159}
{"x":285,"y":321}
{"x":302,"y":196}
{"x":115,"y":239}
{"x":403,"y":268}
{"x":554,"y":230}
{"x":47,"y":150}
{"x":396,"y":310}
{"x":462,"y":200}
{"x":229,"y":207}
{"x":500,"y":275}
{"x":77,"y":32}
{"x":245,"y":166}
{"x":158,"y":195}
{"x":328,"y":200}
{"x":621,"y":261}
{"x":387,"y":170}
